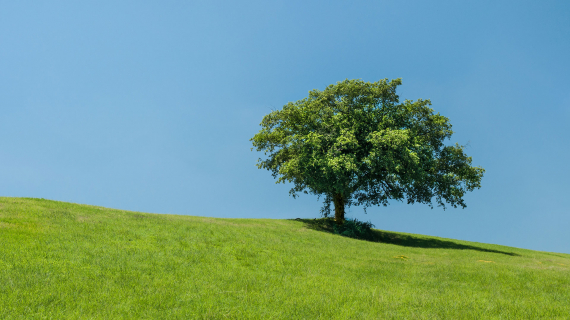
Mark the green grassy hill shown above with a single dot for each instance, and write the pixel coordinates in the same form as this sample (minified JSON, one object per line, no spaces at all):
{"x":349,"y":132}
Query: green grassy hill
{"x":61,"y":260}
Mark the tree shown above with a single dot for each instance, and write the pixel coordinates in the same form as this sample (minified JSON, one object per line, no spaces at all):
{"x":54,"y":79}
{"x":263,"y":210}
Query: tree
{"x":355,"y":144}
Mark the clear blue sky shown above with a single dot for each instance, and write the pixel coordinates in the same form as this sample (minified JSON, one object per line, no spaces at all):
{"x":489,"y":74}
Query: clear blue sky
{"x":150,"y":105}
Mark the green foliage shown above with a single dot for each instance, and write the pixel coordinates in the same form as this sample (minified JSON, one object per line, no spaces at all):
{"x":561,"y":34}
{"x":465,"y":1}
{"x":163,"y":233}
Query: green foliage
{"x":354,"y":228}
{"x":355,"y":143}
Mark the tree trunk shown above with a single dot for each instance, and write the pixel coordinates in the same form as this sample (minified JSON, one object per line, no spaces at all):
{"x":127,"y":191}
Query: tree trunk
{"x":338,"y":208}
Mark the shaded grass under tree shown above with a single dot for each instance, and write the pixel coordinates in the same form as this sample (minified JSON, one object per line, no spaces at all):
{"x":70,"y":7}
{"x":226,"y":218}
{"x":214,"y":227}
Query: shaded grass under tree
{"x":330,"y":226}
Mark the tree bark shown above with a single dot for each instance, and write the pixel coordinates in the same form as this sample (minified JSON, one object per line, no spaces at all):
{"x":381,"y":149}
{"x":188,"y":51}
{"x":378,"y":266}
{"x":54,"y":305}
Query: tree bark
{"x":338,"y":200}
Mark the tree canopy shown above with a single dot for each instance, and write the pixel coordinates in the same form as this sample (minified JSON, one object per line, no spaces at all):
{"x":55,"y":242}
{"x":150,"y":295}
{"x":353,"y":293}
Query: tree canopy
{"x":354,"y":143}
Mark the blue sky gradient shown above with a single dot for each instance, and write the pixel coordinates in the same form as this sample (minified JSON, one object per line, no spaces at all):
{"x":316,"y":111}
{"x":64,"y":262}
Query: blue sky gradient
{"x":150,"y":105}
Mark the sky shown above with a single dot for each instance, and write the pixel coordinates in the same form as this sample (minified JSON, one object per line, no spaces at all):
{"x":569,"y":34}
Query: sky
{"x":149,"y":105}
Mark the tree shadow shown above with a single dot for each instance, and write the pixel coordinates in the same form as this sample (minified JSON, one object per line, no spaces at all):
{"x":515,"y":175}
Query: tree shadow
{"x":326,"y":225}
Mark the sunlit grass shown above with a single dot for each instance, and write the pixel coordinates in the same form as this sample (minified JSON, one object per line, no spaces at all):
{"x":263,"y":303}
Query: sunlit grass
{"x":61,"y":260}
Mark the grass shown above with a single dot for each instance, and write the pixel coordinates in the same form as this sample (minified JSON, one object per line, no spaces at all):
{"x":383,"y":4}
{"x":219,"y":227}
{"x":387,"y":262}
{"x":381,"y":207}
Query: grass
{"x":68,"y":261}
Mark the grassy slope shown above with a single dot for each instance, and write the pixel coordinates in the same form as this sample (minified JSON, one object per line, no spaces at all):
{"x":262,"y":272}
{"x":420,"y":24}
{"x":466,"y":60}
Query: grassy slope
{"x":61,"y":260}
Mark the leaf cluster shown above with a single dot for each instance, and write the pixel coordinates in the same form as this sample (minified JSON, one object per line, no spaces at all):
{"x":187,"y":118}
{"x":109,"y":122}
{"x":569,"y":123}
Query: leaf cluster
{"x":356,"y":139}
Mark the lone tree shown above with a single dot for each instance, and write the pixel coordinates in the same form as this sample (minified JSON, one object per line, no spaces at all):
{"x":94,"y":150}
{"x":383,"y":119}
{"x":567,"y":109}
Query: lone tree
{"x":355,"y":144}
